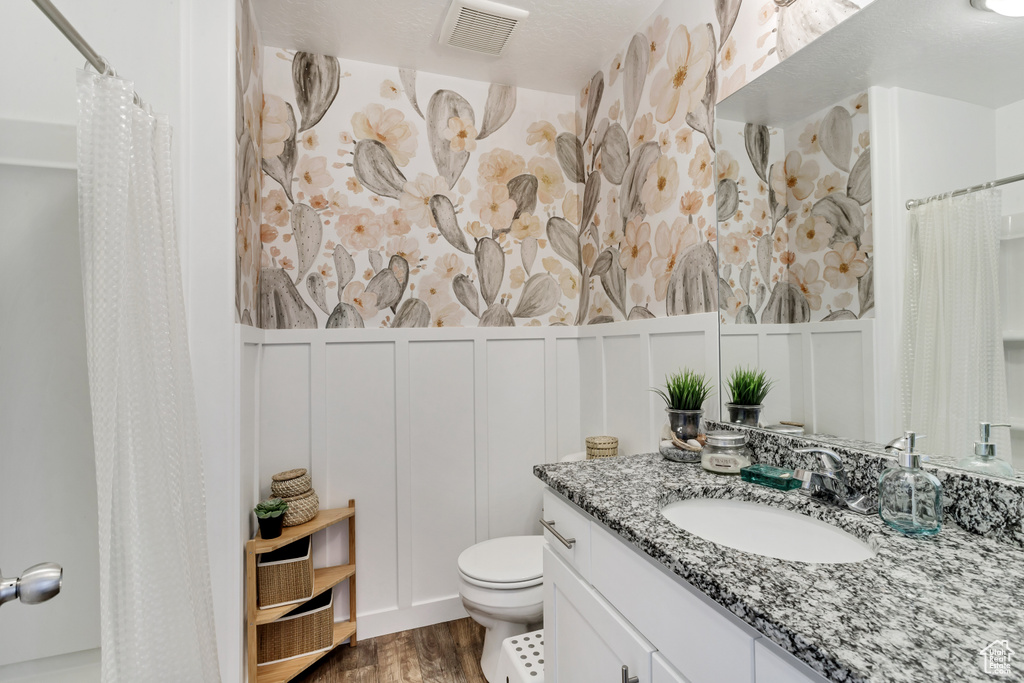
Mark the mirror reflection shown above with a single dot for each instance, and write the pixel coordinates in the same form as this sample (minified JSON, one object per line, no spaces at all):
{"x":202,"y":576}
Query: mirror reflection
{"x":854,"y":272}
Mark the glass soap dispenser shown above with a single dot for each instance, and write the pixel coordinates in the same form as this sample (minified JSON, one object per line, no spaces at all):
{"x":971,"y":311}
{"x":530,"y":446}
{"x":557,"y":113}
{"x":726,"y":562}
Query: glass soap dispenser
{"x":910,"y":499}
{"x":984,"y":459}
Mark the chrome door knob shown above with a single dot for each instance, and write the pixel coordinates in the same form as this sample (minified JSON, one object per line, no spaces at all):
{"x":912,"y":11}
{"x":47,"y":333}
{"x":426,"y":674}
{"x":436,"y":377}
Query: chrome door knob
{"x":37,"y":584}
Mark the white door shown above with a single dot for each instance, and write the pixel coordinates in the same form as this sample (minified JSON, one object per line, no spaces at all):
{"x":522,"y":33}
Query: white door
{"x":46,"y":450}
{"x":585,"y":639}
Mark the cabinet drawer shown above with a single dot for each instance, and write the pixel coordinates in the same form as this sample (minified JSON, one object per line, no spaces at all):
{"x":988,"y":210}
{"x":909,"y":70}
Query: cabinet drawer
{"x":585,"y":639}
{"x":701,"y":643}
{"x":570,"y":523}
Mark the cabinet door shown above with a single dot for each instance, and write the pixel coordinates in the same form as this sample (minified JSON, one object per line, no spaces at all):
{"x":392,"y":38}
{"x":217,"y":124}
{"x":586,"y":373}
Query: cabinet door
{"x":771,"y":668}
{"x":662,"y":671}
{"x":585,"y":639}
{"x":700,"y":642}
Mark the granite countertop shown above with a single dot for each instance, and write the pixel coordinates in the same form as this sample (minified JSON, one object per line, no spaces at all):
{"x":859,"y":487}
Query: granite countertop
{"x":920,"y":610}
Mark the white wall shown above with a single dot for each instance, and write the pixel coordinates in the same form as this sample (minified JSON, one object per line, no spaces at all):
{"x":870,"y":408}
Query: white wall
{"x":180,"y":54}
{"x":923,"y":145}
{"x":47,"y":455}
{"x":435,"y":433}
{"x":1010,"y":154}
{"x":927,"y":145}
{"x":1010,"y":161}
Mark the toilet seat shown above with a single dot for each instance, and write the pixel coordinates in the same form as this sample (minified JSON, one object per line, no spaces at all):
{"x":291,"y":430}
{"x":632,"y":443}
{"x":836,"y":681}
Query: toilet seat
{"x":508,"y":563}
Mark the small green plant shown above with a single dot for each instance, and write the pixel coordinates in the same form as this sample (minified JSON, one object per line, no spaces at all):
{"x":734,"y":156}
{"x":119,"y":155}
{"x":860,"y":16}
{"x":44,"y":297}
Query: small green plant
{"x":685,"y":390}
{"x":271,"y":508}
{"x":749,"y":387}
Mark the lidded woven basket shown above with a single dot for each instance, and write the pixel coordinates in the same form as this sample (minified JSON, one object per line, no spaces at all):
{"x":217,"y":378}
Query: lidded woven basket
{"x":290,"y":483}
{"x":301,"y":508}
{"x":601,"y":447}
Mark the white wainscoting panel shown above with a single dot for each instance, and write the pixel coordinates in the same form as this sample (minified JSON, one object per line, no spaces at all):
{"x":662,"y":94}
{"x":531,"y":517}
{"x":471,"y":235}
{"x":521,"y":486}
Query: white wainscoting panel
{"x":360,"y":450}
{"x":838,"y":369}
{"x":442,"y":472}
{"x":516,"y":434}
{"x":591,"y":357}
{"x":824,"y":373}
{"x":625,"y":379}
{"x":621,"y":362}
{"x":435,"y":433}
{"x":568,"y":396}
{"x":284,"y":411}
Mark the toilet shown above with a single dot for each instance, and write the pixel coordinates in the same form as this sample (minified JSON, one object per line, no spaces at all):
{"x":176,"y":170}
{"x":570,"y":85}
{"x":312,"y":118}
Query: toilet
{"x":501,"y":583}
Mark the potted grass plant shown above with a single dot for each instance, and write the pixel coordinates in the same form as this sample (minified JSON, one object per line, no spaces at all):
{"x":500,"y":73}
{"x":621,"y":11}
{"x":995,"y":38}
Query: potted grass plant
{"x":270,"y":514}
{"x":684,"y":395}
{"x":747,"y":388}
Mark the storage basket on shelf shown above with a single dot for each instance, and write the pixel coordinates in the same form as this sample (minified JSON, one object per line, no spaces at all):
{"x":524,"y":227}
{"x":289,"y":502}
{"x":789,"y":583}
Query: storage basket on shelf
{"x":290,"y":483}
{"x":285,"y":576}
{"x":599,"y":447}
{"x":308,"y":629}
{"x":301,"y":508}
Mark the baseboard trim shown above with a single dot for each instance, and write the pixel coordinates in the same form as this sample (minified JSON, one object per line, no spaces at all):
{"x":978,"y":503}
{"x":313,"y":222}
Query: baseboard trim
{"x":73,"y":667}
{"x":393,"y":621}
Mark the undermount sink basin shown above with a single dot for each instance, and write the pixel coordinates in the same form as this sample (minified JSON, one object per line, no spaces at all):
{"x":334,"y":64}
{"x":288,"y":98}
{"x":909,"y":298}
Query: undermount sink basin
{"x":765,"y":530}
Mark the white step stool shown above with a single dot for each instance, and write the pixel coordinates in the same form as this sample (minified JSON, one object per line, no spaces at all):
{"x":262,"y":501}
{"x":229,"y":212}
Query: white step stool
{"x":522,"y":659}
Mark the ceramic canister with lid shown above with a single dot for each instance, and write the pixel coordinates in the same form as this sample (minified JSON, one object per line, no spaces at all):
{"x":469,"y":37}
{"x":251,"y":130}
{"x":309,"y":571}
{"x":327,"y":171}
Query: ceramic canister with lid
{"x":726,"y":452}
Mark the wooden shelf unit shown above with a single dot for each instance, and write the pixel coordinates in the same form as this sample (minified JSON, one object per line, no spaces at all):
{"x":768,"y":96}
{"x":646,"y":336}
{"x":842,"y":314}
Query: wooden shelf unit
{"x":324,"y":579}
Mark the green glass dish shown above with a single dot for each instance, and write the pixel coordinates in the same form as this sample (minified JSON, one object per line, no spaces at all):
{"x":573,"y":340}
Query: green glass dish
{"x":773,"y":477}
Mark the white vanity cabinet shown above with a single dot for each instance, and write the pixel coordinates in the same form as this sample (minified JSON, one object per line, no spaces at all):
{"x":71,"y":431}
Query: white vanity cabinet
{"x":606,"y":605}
{"x":585,"y":639}
{"x":662,"y":671}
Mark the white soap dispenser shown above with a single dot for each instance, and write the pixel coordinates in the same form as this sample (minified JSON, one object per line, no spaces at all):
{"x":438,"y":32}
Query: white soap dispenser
{"x":984,"y":459}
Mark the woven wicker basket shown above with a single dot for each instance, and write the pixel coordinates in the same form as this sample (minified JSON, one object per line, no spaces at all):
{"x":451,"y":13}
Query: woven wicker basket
{"x":290,"y":483}
{"x":285,"y":576}
{"x":599,"y":447}
{"x":308,"y":629}
{"x":301,"y":508}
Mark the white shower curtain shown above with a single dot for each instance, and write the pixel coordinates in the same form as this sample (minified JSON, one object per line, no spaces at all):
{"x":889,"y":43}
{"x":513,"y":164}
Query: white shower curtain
{"x":156,"y":616}
{"x":952,"y":367}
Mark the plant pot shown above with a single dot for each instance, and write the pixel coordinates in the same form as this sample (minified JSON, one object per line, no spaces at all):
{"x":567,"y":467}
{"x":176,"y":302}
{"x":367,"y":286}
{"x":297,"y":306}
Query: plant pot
{"x":685,"y":424}
{"x":744,"y":415}
{"x":270,"y":527}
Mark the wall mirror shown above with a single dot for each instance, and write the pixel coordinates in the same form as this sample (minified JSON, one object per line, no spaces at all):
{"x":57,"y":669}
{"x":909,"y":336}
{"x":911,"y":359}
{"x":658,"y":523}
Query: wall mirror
{"x":872,"y":317}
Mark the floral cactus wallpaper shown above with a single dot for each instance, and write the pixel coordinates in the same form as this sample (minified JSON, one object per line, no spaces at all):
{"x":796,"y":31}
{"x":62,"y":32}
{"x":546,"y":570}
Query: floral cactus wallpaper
{"x":390,"y":198}
{"x":757,"y":35}
{"x":248,"y":136}
{"x":647,"y":244}
{"x":398,"y":199}
{"x":794,"y":210}
{"x":394,"y":199}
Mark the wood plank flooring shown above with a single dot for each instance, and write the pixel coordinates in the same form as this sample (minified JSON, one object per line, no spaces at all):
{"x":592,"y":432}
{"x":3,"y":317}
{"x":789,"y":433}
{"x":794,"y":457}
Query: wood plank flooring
{"x":442,"y":653}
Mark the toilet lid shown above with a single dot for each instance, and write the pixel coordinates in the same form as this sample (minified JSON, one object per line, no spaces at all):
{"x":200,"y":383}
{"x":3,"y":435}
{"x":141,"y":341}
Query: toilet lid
{"x":512,"y":559}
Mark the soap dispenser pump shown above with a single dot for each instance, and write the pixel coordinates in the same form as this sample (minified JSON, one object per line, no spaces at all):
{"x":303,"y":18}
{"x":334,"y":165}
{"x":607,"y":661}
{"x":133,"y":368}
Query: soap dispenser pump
{"x":910,"y":499}
{"x":984,"y":459}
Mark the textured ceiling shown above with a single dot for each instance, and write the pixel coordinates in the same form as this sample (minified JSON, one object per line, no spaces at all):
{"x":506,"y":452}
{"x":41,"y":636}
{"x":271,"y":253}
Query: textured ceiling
{"x":556,"y":49}
{"x":941,"y":47}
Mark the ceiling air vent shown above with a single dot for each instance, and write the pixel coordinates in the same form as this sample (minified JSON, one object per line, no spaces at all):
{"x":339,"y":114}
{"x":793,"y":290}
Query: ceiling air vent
{"x":480,"y":25}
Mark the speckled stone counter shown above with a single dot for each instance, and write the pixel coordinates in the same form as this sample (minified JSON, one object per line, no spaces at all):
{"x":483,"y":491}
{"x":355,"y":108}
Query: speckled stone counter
{"x":919,"y":611}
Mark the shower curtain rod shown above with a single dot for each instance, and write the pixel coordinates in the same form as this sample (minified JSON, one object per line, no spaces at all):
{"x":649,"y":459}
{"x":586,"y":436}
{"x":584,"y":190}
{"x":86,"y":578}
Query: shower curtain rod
{"x":71,"y":33}
{"x":911,"y":203}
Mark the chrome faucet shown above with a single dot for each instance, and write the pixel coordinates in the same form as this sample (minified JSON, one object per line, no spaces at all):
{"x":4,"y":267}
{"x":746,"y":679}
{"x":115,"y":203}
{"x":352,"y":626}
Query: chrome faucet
{"x":830,"y":484}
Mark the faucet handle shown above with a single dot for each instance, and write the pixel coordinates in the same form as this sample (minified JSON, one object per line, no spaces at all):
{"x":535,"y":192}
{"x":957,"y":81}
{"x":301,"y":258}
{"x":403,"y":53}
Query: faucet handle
{"x":830,"y":460}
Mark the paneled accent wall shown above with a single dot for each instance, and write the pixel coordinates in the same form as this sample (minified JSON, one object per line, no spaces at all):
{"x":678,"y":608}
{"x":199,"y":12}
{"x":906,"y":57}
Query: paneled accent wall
{"x":435,"y":433}
{"x":824,"y":373}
